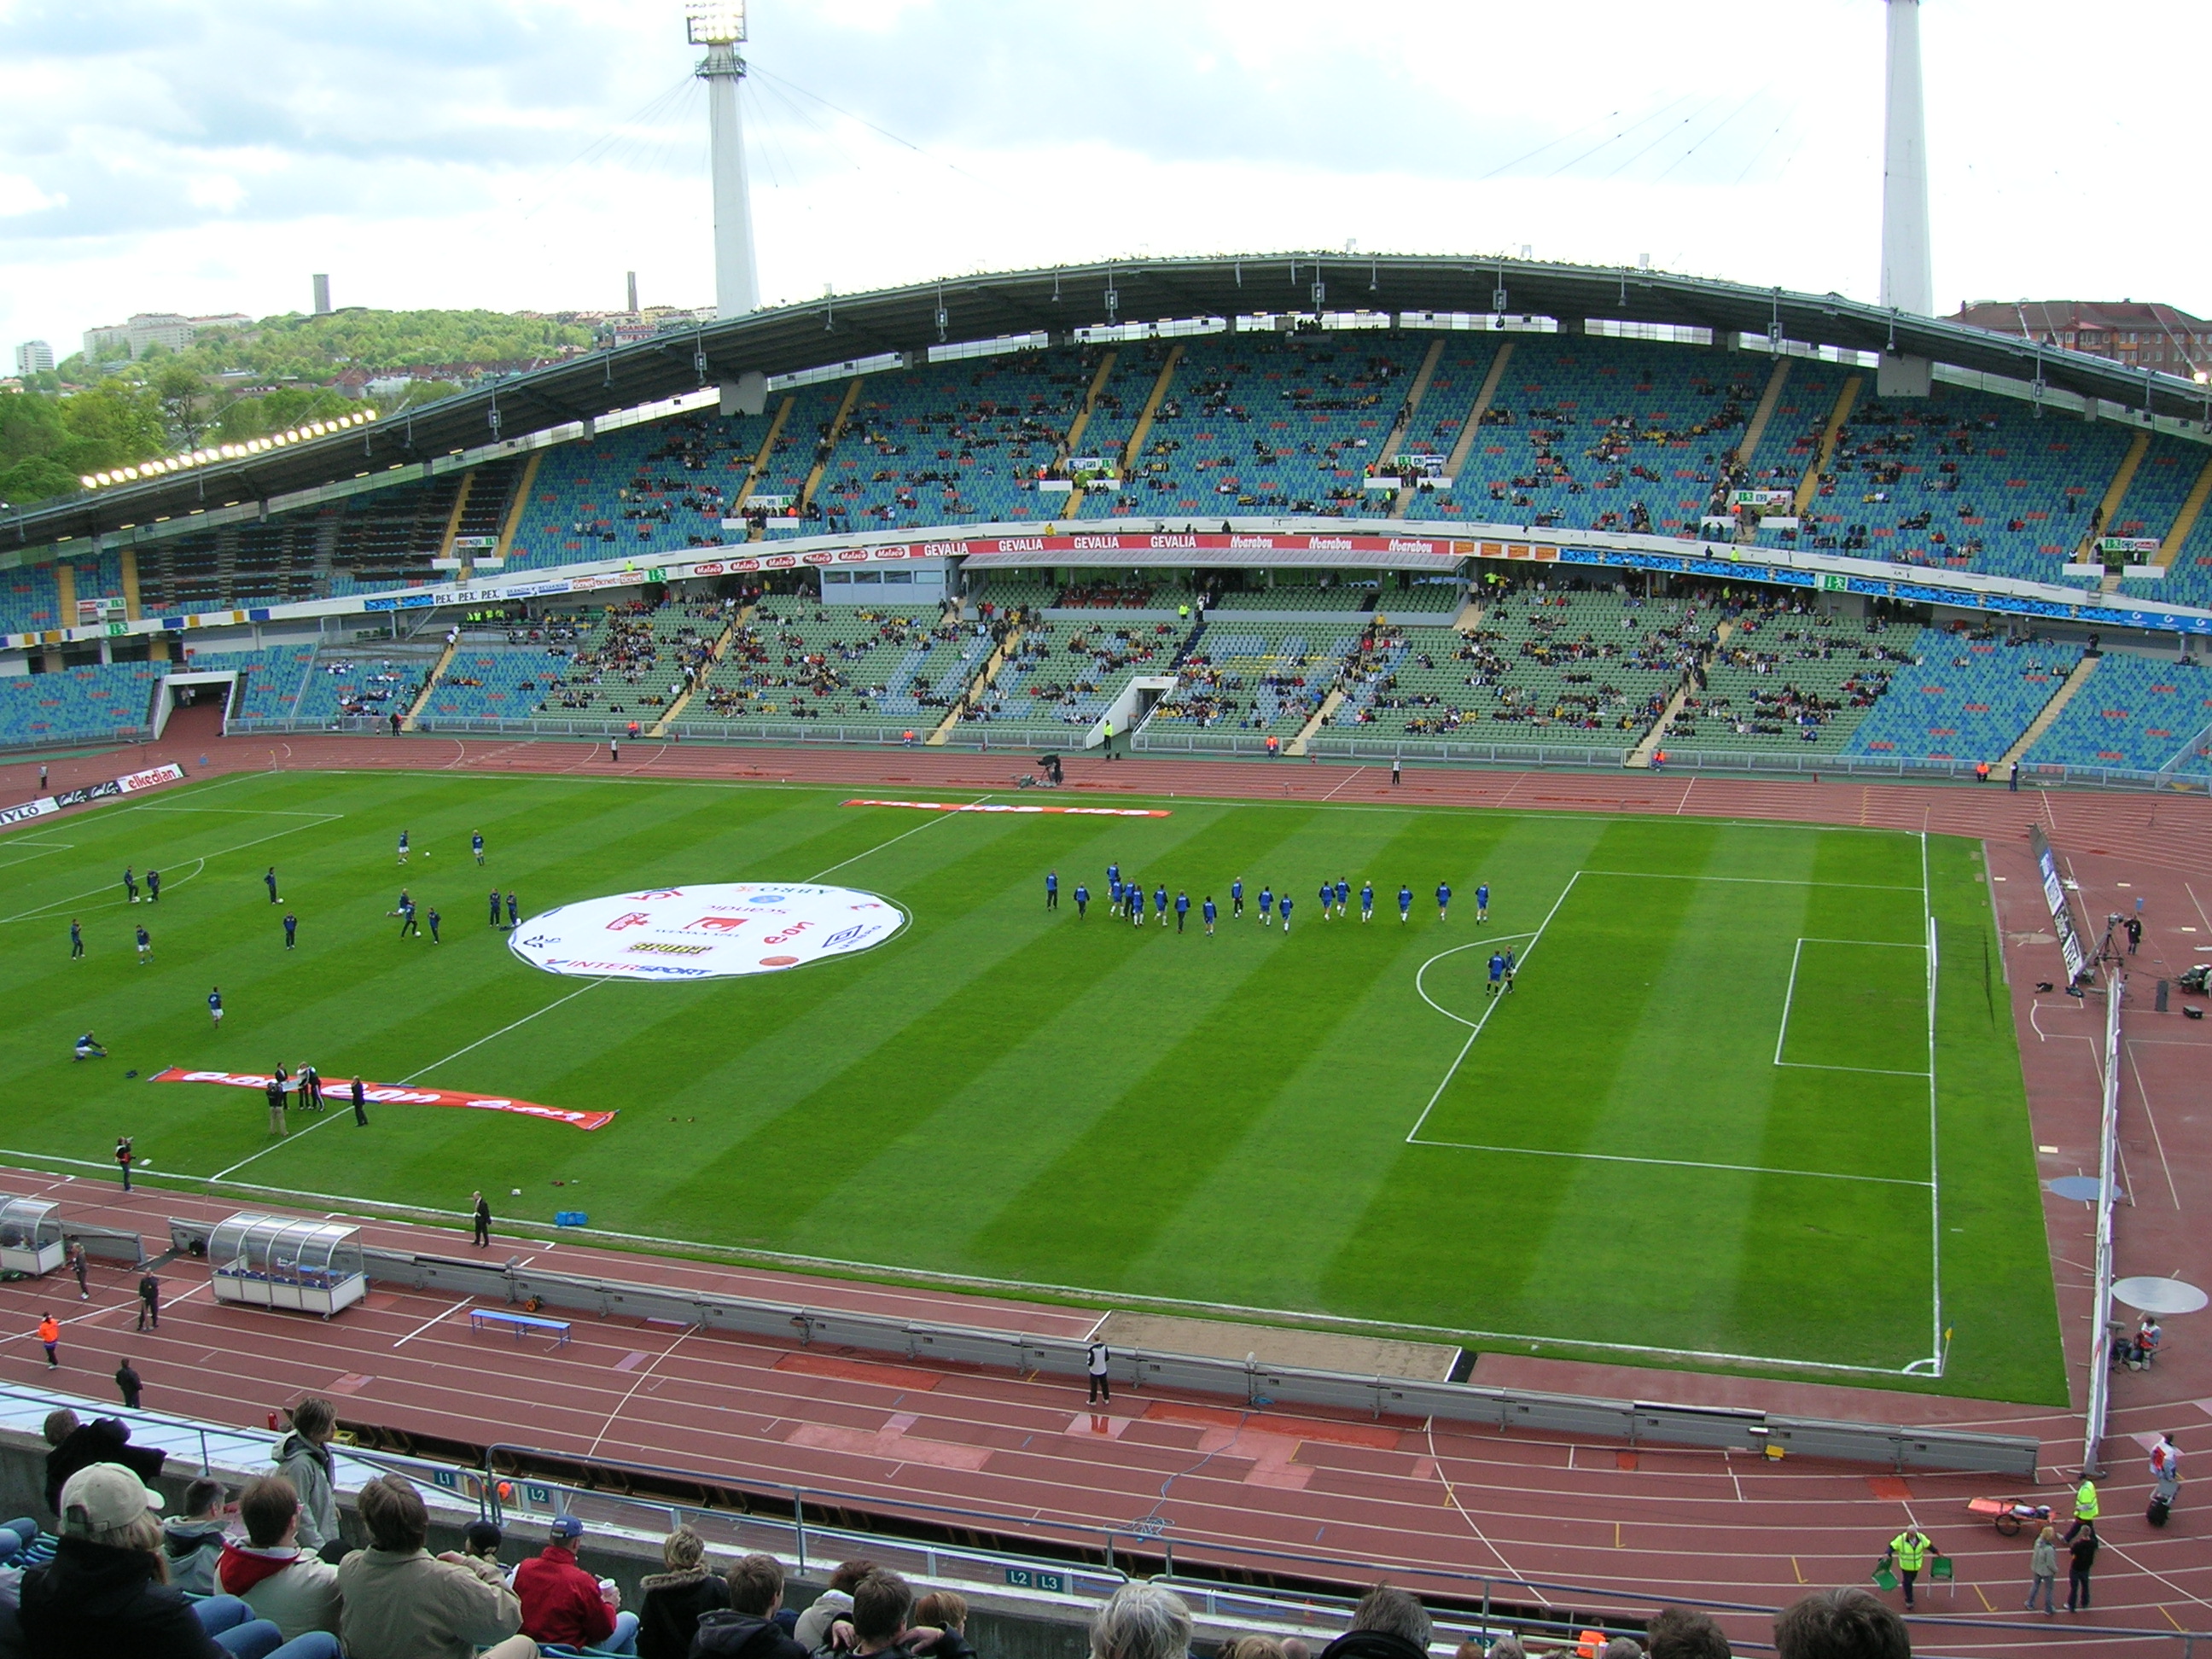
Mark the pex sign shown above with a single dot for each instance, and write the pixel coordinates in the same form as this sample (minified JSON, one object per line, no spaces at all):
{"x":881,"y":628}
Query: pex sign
{"x":720,"y":931}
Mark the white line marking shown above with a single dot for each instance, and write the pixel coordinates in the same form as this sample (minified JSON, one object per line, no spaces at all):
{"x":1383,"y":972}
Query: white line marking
{"x":1460,"y":1059}
{"x":614,"y":1415}
{"x":1753,"y":881}
{"x":255,"y":1158}
{"x":1348,"y":777}
{"x":1783,"y":1036}
{"x":594,"y":985}
{"x":1674,"y":1163}
{"x":427,"y":1324}
{"x":917,"y":829}
{"x":1934,"y":1188}
{"x":1471,"y":945}
{"x":198,"y":865}
{"x":893,"y":1275}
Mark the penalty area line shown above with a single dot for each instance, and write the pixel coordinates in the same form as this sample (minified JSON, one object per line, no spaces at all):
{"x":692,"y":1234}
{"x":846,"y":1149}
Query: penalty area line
{"x":1673,"y":1163}
{"x":925,"y":823}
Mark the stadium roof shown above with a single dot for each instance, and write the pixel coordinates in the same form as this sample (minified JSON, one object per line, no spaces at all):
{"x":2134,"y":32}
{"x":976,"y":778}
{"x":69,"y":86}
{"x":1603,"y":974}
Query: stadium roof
{"x":791,"y":339}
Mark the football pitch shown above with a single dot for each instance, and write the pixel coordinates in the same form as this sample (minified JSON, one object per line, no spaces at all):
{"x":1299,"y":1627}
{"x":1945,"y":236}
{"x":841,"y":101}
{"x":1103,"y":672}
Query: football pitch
{"x":1753,"y":1100}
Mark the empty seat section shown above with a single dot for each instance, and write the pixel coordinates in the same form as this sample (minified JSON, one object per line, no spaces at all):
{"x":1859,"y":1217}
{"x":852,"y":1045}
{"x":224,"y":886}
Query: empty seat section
{"x":31,"y":600}
{"x":1967,"y":696}
{"x":2132,"y":714}
{"x":269,"y":682}
{"x":97,"y":701}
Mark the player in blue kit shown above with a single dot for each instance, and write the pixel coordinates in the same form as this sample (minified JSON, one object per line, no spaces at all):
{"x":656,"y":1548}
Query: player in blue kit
{"x":1209,"y":912}
{"x":1160,"y":904}
{"x":1082,"y":901}
{"x":1052,"y":889}
{"x":403,"y":847}
{"x":476,"y":845}
{"x":1112,"y":875}
{"x":1343,"y":896}
{"x":1113,"y":895}
{"x":1482,"y":903}
{"x":1327,"y":894}
{"x":1267,"y":907}
{"x":1133,"y":903}
{"x":1236,"y":899}
{"x":1497,"y":970}
{"x":1405,"y":904}
{"x":1183,"y":909}
{"x":1509,"y":970}
{"x":1367,"y":901}
{"x":1443,"y":900}
{"x":1287,"y":913}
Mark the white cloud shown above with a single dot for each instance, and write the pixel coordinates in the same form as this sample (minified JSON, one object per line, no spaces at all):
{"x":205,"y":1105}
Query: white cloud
{"x":204,"y":157}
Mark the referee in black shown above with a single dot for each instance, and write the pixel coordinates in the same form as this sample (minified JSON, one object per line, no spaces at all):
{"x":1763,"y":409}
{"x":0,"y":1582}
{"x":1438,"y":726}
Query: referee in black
{"x":482,"y":1222}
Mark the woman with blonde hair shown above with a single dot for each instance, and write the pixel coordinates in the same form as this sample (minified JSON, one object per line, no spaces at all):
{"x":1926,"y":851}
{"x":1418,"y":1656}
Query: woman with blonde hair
{"x":675,"y":1599}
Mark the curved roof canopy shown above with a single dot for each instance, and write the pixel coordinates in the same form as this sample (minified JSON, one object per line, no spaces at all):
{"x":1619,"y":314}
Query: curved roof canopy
{"x":838,"y":329}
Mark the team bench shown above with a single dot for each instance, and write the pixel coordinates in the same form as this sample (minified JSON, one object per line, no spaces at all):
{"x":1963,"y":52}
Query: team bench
{"x":484,"y":1318}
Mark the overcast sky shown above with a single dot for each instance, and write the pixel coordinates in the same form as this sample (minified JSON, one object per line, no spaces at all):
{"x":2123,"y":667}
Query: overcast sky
{"x":204,"y":156}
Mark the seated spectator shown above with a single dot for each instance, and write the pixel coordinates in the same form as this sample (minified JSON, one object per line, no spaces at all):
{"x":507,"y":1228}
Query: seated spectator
{"x":105,"y":1440}
{"x":480,"y":1541}
{"x":833,"y":1604}
{"x":1141,"y":1621}
{"x":1506,"y":1647}
{"x":1840,"y":1624}
{"x":1389,"y":1623}
{"x":883,"y":1605}
{"x":675,"y":1599}
{"x":943,"y":1610}
{"x":749,"y":1626}
{"x":292,"y":1587}
{"x":1262,"y":1647}
{"x":1622,"y":1647}
{"x":102,"y":1595}
{"x":402,"y":1603}
{"x":192,"y":1543}
{"x":303,"y":1457}
{"x":561,"y":1603}
{"x":1685,"y":1633}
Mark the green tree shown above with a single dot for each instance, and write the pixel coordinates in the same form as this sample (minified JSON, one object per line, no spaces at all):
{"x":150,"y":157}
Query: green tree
{"x":183,"y":395}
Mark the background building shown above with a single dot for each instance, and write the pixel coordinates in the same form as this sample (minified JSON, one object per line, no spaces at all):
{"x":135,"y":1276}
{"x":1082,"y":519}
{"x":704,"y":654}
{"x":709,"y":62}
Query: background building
{"x":2148,"y":335}
{"x":33,"y":357}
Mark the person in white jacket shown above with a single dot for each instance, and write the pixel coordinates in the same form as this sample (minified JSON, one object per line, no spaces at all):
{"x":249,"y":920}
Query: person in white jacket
{"x":292,"y":1587}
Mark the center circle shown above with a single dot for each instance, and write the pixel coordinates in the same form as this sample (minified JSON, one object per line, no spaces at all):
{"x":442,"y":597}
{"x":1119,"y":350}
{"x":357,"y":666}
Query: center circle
{"x":720,"y":931}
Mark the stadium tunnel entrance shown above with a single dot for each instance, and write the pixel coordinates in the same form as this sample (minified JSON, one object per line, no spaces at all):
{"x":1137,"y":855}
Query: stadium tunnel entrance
{"x":195,"y":703}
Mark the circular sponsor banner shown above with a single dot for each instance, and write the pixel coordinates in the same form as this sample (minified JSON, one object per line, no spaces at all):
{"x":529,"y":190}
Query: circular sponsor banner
{"x":674,"y":934}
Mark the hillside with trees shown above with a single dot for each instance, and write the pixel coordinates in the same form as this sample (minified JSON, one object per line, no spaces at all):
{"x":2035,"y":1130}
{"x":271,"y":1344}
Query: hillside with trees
{"x":236,"y":384}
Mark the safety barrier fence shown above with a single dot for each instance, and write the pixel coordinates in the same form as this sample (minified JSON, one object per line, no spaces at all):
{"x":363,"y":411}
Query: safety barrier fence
{"x":2108,"y":1154}
{"x":1506,"y":1409}
{"x":1052,"y":1566}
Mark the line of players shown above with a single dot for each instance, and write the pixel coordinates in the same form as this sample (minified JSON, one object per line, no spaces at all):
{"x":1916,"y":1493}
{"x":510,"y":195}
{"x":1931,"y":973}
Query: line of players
{"x":1126,"y":901}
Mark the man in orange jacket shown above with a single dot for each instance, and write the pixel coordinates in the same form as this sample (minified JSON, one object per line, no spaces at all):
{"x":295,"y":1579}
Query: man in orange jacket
{"x":50,"y":1333}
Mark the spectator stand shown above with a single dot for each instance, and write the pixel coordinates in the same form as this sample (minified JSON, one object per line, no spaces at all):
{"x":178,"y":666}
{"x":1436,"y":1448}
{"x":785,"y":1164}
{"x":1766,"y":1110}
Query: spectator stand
{"x":277,"y":1262}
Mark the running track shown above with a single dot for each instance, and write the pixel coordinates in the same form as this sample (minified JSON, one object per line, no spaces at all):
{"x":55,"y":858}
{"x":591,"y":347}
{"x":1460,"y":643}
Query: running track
{"x":1677,"y":1524}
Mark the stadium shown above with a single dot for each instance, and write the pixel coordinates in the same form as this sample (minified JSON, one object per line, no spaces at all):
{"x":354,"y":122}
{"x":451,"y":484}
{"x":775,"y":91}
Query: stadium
{"x":1557,"y":910}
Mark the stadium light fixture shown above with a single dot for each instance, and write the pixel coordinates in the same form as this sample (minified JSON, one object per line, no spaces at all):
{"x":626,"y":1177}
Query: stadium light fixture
{"x":714,"y":22}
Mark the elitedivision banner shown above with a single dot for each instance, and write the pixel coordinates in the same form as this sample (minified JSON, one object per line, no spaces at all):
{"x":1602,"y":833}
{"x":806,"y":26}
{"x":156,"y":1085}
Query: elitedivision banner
{"x":339,"y":1094}
{"x":127,"y":785}
{"x":2062,"y":913}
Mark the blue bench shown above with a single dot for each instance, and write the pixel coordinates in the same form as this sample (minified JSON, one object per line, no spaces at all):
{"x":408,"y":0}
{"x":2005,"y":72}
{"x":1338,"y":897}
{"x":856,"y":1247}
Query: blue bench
{"x":481,"y":1318}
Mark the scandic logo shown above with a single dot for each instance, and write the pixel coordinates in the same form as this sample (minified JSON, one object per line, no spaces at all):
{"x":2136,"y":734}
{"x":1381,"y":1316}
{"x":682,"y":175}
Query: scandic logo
{"x":631,"y":919}
{"x":711,"y":930}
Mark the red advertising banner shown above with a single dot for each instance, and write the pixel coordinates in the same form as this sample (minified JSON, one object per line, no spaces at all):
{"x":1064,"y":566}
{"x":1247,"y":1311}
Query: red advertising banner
{"x":1008,"y":806}
{"x":339,"y":1094}
{"x":1076,"y":547}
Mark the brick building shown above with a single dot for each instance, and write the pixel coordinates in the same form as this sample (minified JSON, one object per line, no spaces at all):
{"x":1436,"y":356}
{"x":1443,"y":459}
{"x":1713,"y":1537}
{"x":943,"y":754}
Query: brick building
{"x":2140,"y":336}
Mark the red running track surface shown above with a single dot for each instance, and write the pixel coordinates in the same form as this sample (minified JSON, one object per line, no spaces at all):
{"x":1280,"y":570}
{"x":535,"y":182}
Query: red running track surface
{"x":1673,"y":1524}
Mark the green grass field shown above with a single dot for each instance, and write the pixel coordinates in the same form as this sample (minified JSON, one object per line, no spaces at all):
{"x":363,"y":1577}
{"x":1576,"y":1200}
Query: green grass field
{"x":1702,"y":1129}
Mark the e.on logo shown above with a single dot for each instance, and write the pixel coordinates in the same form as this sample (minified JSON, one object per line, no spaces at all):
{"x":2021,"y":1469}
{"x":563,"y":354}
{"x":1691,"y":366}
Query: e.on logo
{"x":789,"y":934}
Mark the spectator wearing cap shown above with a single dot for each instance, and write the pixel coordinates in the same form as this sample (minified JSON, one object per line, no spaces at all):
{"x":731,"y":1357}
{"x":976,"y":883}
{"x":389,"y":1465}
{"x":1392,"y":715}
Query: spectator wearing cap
{"x":832,"y":1604}
{"x":749,"y":1626}
{"x":1389,"y":1623}
{"x":561,"y":1603}
{"x":675,"y":1600}
{"x":402,"y":1603}
{"x":103,"y":1596}
{"x":292,"y":1587}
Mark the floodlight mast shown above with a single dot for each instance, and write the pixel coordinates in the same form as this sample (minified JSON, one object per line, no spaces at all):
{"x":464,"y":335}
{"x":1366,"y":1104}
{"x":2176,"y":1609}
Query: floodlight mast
{"x":1908,"y":285}
{"x":720,"y":26}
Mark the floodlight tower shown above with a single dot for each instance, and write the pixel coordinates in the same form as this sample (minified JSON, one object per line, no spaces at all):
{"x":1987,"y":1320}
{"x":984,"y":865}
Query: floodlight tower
{"x":720,"y":26}
{"x":1908,"y":285}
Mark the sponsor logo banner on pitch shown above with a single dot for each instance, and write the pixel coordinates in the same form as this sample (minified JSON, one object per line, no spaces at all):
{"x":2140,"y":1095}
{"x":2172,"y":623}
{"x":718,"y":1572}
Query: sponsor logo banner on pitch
{"x":720,"y":931}
{"x":340,"y":1095}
